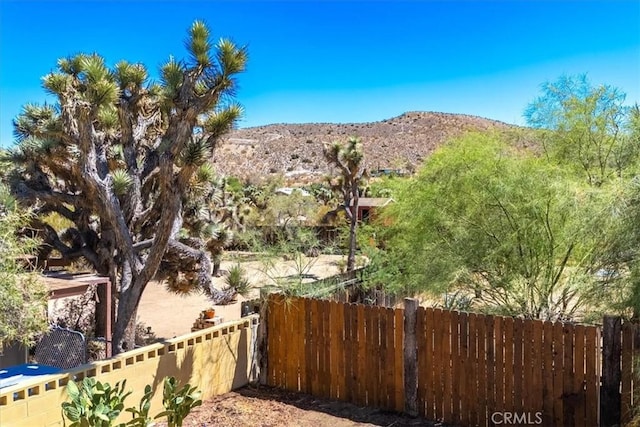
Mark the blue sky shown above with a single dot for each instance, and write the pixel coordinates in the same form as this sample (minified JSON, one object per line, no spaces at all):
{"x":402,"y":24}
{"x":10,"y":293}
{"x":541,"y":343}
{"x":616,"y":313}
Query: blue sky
{"x":341,"y":61}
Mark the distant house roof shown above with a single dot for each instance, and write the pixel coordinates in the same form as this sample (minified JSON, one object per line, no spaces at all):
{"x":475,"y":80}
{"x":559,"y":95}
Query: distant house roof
{"x":374,"y":202}
{"x":388,"y":172}
{"x":289,"y":190}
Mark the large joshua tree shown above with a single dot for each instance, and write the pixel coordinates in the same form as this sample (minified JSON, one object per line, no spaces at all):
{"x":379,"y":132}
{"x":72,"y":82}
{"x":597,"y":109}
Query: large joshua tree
{"x":348,"y":159}
{"x":122,"y":157}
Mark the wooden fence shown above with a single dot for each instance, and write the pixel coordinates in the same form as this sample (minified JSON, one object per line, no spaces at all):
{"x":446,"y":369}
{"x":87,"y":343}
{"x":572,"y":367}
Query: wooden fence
{"x":323,"y":348}
{"x":472,"y":366}
{"x":620,"y":390}
{"x":630,"y":371}
{"x":459,"y":368}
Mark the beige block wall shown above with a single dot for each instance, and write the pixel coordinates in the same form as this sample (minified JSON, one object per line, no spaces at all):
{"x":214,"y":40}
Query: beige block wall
{"x":216,"y":360}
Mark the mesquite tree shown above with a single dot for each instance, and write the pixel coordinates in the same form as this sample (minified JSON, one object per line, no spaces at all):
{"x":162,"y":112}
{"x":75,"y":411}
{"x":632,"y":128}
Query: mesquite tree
{"x":121,"y":157}
{"x":348,"y":158}
{"x":23,"y":298}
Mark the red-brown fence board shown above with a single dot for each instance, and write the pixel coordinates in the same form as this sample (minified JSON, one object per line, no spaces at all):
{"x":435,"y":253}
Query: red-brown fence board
{"x":271,"y":347}
{"x":592,"y":344}
{"x":516,"y":367}
{"x":472,"y":362}
{"x":367,"y":359}
{"x":528,"y":368}
{"x":508,"y":364}
{"x":483,"y":383}
{"x":303,"y":345}
{"x":389,"y":359}
{"x":567,"y":374}
{"x":579,"y":374}
{"x":537,"y":367}
{"x":627,"y":369}
{"x":447,"y":355}
{"x":361,"y":391}
{"x":455,"y":366}
{"x":342,"y":354}
{"x":464,"y":369}
{"x":349,"y":346}
{"x":437,"y":362}
{"x":630,"y":398}
{"x":291,"y":376}
{"x":310,"y":344}
{"x":316,"y":347}
{"x":424,"y":358}
{"x":398,"y":372}
{"x":498,"y":333}
{"x":547,"y":380}
{"x":557,"y":374}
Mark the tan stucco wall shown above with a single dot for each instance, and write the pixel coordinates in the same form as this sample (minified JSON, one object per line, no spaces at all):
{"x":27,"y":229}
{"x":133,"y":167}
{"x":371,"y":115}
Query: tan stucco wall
{"x":216,"y":360}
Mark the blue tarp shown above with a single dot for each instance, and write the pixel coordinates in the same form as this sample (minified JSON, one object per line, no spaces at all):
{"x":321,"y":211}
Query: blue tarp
{"x":16,"y":374}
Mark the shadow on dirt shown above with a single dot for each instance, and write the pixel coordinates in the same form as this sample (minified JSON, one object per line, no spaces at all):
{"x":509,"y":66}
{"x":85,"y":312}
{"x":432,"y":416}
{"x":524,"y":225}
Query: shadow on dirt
{"x":368,"y":416}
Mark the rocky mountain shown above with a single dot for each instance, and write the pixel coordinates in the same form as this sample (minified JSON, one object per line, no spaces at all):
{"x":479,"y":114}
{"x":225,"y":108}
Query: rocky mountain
{"x":295,"y":150}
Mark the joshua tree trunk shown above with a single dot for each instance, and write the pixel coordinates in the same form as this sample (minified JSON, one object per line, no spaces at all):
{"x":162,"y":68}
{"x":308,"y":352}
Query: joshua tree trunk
{"x":348,"y":159}
{"x":116,"y":157}
{"x":131,"y":289}
{"x":353,"y":224}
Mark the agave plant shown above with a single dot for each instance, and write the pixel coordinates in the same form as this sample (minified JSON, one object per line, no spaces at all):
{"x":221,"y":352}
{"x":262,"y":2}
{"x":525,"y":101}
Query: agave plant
{"x":238,"y":281}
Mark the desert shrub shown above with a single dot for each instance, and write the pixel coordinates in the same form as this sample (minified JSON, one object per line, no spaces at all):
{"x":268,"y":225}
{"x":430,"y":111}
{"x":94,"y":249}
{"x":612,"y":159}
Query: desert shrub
{"x":78,"y":313}
{"x":23,"y":298}
{"x":237,"y":280}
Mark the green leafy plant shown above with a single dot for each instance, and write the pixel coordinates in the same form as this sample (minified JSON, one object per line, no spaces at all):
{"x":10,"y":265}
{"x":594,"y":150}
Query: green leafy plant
{"x":140,"y":414}
{"x":178,"y":402}
{"x":97,"y":404}
{"x":23,"y":297}
{"x":94,"y":403}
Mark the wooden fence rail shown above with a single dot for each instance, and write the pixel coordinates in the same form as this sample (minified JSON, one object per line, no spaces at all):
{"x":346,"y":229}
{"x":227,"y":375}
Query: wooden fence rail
{"x":460,"y":368}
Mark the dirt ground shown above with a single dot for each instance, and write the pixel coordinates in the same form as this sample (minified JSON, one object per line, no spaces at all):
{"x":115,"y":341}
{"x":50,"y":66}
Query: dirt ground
{"x":269,"y":407}
{"x":171,"y":315}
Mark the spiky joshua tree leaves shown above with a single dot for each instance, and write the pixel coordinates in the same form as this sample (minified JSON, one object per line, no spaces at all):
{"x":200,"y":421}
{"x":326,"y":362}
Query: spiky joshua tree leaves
{"x":348,"y":159}
{"x":119,"y":155}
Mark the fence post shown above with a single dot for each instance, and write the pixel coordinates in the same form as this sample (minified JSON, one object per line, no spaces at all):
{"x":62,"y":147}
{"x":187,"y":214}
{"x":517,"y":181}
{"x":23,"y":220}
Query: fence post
{"x":410,"y":357}
{"x":610,"y":398}
{"x":263,"y":331}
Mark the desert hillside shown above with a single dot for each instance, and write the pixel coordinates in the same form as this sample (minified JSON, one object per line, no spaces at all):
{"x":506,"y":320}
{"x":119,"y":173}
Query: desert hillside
{"x":295,"y":150}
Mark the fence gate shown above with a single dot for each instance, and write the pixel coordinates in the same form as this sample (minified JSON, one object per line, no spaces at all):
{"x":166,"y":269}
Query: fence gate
{"x":490,"y":370}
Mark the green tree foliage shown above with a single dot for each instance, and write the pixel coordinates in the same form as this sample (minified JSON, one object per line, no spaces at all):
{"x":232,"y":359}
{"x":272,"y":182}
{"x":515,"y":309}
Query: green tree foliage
{"x":501,"y":228}
{"x":348,"y":159}
{"x":23,"y":298}
{"x":543,"y":230}
{"x":624,"y":245}
{"x":118,"y":155}
{"x":276,"y":218}
{"x":585,"y":127}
